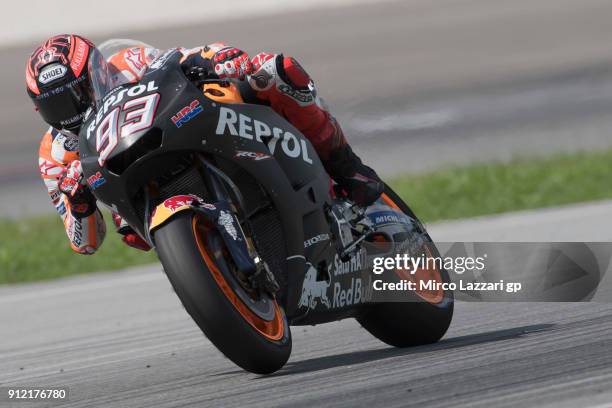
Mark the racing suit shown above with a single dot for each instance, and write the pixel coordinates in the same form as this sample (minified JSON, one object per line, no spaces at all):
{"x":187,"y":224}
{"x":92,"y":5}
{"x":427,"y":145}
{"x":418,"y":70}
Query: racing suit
{"x":277,"y":81}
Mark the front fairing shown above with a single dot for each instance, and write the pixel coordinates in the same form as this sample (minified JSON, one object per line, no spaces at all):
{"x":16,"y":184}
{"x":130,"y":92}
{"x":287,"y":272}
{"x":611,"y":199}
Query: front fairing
{"x":205,"y":131}
{"x":251,"y":138}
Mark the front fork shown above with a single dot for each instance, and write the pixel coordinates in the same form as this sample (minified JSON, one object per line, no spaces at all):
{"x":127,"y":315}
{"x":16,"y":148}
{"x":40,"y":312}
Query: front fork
{"x":220,"y":214}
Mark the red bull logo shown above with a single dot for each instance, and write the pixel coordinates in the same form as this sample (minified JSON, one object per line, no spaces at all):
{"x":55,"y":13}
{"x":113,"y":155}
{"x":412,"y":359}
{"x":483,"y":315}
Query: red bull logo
{"x":314,"y":291}
{"x":172,"y":205}
{"x":176,"y":202}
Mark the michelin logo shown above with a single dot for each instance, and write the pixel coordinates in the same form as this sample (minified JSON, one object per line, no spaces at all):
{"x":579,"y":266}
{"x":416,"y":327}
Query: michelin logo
{"x":381,"y":218}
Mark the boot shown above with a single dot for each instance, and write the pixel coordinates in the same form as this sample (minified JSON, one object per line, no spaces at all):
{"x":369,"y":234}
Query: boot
{"x":360,"y":182}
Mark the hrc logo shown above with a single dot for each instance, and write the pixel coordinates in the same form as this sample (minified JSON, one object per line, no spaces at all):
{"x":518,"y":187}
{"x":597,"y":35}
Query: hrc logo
{"x":96,"y":180}
{"x":187,"y":113}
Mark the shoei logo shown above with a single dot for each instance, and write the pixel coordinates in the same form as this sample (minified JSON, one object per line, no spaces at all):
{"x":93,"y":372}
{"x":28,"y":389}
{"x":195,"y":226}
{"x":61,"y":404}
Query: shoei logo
{"x":244,"y":126}
{"x":51,"y":73}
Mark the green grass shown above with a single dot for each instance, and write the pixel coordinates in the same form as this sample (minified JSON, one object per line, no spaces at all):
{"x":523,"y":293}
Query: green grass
{"x":37,"y":248}
{"x":521,"y":184}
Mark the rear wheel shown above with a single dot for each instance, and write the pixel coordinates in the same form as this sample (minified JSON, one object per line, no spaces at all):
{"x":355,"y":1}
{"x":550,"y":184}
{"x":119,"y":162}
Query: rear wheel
{"x":249,"y":327}
{"x":426,"y":316}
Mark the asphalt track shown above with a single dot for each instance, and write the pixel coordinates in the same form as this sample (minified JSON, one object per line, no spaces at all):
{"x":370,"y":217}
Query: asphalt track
{"x":123,"y":340}
{"x":416,"y":84}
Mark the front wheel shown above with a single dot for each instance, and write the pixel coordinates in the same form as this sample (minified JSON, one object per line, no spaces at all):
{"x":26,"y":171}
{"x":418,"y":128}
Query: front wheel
{"x":249,"y":328}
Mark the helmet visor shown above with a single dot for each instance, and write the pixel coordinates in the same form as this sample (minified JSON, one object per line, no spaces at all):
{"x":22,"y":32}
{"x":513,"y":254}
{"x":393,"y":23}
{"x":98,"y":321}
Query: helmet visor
{"x":64,"y":107}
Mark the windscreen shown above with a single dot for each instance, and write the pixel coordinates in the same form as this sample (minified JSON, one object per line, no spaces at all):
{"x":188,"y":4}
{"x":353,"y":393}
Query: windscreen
{"x":102,"y":74}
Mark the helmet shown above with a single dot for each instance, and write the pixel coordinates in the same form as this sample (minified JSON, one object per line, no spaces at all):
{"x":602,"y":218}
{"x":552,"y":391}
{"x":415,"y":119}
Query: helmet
{"x":58,"y":81}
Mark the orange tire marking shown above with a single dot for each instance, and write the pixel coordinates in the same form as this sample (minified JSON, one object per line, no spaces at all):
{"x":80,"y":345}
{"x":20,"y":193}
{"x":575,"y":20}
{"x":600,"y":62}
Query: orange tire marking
{"x":421,"y":274}
{"x":274,"y":329}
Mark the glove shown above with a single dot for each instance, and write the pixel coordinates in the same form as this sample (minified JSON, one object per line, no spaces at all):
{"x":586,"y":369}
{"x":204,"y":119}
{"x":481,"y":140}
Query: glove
{"x":130,"y":237}
{"x":197,"y":68}
{"x":232,"y":63}
{"x":71,"y":183}
{"x":260,"y":59}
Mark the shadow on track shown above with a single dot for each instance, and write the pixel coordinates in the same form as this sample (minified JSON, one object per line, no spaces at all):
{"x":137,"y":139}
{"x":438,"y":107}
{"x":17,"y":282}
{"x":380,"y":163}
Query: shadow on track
{"x":359,"y":357}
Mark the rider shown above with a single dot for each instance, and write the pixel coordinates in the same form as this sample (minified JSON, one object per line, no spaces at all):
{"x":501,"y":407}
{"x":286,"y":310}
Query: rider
{"x":58,"y":82}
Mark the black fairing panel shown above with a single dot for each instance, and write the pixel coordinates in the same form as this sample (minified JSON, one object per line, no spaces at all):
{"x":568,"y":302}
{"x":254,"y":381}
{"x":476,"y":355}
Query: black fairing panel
{"x":290,"y":170}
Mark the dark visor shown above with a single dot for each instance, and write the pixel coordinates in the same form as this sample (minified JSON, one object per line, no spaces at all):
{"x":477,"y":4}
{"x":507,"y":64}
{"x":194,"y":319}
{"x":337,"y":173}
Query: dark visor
{"x":63,"y":107}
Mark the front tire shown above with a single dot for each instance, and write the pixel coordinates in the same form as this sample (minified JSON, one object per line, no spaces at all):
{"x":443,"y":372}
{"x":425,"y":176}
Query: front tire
{"x":194,"y":261}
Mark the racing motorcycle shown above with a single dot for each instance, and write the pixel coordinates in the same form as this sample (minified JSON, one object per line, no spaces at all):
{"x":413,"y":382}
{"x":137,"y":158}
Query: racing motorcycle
{"x":239,"y":209}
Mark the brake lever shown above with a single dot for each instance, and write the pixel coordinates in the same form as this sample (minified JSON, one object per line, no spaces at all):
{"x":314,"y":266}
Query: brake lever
{"x":201,"y":75}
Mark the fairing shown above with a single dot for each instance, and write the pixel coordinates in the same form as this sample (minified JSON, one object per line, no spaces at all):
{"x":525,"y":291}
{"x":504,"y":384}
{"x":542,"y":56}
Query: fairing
{"x":243,"y":136}
{"x":251,"y":144}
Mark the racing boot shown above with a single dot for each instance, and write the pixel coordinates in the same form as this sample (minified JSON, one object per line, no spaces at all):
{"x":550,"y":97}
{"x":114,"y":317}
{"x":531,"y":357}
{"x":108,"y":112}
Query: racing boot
{"x":361,"y":183}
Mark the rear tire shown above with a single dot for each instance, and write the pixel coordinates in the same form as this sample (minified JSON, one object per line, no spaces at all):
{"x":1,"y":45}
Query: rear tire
{"x":200,"y":276}
{"x":414,"y":323}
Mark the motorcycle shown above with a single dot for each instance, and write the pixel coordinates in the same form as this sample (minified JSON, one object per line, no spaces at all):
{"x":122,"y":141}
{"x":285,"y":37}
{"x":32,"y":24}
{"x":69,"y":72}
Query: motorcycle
{"x":239,"y":209}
